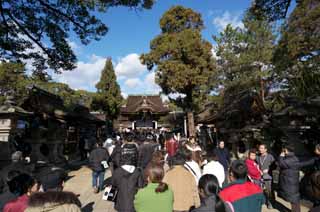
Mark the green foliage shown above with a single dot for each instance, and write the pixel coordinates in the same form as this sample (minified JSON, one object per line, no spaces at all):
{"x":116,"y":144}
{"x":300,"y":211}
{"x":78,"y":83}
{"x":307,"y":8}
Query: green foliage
{"x":44,"y":26}
{"x":183,"y":60}
{"x":272,"y":9}
{"x":297,"y":57}
{"x":13,"y":81}
{"x":245,"y":55}
{"x":108,"y":97}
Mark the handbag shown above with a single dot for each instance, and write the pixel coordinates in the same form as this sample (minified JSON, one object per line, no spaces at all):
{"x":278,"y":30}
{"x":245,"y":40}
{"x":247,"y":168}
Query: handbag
{"x":110,"y":194}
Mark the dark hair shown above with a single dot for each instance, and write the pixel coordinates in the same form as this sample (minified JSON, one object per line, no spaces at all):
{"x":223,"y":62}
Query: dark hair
{"x":265,"y":146}
{"x":253,"y":151}
{"x":40,"y":198}
{"x":179,"y":158}
{"x":209,"y":184}
{"x":211,"y":155}
{"x":239,"y":169}
{"x":21,"y":184}
{"x":288,"y":147}
{"x":156,"y":174}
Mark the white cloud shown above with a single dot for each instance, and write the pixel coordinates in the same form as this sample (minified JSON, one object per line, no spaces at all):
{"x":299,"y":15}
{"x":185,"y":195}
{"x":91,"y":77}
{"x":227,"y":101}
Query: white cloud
{"x":129,"y":66}
{"x":85,"y":76}
{"x":221,"y":22}
{"x":150,"y":84}
{"x":133,"y":82}
{"x":77,"y":49}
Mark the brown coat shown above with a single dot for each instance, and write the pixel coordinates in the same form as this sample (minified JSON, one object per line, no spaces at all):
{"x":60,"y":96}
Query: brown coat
{"x":53,"y":201}
{"x":183,"y":185}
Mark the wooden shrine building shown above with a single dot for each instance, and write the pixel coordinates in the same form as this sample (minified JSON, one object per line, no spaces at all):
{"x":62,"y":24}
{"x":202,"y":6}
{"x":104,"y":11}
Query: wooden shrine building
{"x":142,"y":112}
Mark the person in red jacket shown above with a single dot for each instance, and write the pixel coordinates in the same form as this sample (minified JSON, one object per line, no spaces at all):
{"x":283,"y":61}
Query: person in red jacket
{"x":171,"y":147}
{"x":254,"y":172}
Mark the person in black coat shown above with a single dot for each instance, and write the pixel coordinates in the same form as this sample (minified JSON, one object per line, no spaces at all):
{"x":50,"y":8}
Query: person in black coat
{"x":127,"y":179}
{"x":289,"y":176}
{"x":224,"y":157}
{"x":98,"y":155}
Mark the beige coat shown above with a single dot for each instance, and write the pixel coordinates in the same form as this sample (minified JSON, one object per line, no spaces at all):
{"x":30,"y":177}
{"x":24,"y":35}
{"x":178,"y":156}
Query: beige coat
{"x":54,"y":208}
{"x":183,"y":185}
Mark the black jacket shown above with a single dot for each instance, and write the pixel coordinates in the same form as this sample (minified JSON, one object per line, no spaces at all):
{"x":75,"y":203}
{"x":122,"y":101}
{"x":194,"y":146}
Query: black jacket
{"x":207,"y":205}
{"x":96,"y":156}
{"x":127,"y":184}
{"x":145,"y":153}
{"x":289,"y":177}
{"x":224,"y":157}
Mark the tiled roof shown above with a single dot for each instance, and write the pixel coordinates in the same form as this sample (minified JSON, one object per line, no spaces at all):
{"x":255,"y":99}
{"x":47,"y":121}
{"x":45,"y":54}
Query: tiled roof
{"x":136,"y":104}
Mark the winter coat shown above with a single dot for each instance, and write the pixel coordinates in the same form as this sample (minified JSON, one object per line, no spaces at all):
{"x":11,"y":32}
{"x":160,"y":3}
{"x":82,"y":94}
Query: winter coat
{"x":289,"y":177}
{"x":96,"y":156}
{"x":127,"y":182}
{"x":147,"y":200}
{"x":253,"y":169}
{"x":244,"y":196}
{"x":215,"y":168}
{"x":145,"y":153}
{"x":17,"y":205}
{"x":53,"y":201}
{"x":224,"y":157}
{"x":171,"y":147}
{"x":184,"y":188}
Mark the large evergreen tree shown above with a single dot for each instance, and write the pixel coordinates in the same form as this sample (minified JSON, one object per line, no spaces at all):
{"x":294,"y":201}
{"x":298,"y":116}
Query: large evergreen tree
{"x":45,"y":25}
{"x":245,"y":55}
{"x":108,"y":97}
{"x":297,"y":56}
{"x":183,"y":60}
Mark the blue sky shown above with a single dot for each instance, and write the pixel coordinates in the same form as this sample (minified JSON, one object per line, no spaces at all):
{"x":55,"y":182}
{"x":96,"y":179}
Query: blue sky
{"x":130,"y":33}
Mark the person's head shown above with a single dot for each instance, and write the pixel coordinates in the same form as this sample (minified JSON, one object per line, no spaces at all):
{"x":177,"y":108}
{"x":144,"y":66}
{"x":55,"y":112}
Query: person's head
{"x":23,"y":184}
{"x":317,"y":149}
{"x":158,"y":158}
{"x":238,"y":170}
{"x":252,"y":154}
{"x":211,"y":156}
{"x":155,"y":174}
{"x":54,"y":180}
{"x":221,"y":144}
{"x":263,"y":149}
{"x":288,"y":148}
{"x":17,"y":156}
{"x":179,"y":158}
{"x":209,"y":186}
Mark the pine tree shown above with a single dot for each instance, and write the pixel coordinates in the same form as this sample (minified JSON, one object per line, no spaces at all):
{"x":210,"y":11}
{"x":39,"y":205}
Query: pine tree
{"x":108,"y":97}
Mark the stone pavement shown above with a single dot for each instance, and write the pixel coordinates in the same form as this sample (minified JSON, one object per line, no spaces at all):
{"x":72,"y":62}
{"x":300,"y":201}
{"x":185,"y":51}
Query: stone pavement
{"x":80,"y":183}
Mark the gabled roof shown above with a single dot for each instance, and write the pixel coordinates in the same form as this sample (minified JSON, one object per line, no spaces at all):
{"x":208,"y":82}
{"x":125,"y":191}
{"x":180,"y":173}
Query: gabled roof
{"x":151,"y":104}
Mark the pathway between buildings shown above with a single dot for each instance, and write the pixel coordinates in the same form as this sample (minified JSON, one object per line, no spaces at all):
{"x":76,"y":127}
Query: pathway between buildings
{"x":80,"y":183}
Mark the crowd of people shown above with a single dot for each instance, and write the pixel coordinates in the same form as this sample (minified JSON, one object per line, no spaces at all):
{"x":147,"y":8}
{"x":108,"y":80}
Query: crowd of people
{"x":174,"y":175}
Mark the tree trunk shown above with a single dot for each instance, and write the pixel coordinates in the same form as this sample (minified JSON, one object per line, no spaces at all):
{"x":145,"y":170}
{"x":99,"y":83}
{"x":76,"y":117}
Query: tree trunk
{"x":190,"y":123}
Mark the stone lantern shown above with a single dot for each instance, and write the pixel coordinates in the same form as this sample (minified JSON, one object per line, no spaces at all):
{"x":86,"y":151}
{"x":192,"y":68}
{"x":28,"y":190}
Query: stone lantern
{"x":13,"y":121}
